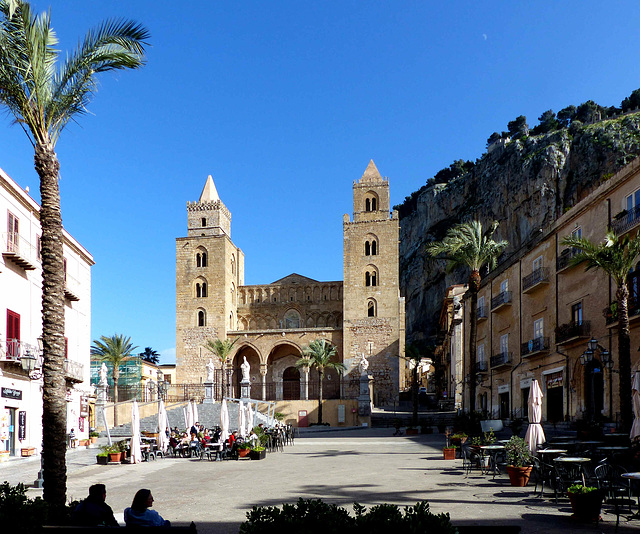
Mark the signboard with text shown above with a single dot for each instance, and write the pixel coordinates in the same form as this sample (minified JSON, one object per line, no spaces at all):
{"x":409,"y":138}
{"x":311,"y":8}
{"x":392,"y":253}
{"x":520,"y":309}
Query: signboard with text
{"x":22,"y":425}
{"x":10,"y":393}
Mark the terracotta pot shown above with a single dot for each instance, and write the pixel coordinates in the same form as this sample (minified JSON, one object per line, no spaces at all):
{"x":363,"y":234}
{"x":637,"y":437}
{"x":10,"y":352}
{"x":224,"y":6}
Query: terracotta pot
{"x":519,"y":476}
{"x":449,"y":454}
{"x":94,"y":439}
{"x":115,"y":456}
{"x":243,"y":452}
{"x":412,"y":431}
{"x":586,"y":506}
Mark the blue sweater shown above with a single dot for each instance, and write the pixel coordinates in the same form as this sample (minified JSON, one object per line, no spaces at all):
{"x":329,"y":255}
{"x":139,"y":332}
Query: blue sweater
{"x":148,"y":518}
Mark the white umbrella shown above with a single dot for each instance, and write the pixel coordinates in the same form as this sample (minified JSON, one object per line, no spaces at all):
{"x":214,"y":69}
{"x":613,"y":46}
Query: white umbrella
{"x":224,"y":421}
{"x":249,"y":418}
{"x":635,"y":399}
{"x":190,"y":420}
{"x":184,"y":413}
{"x":241,"y":424}
{"x":136,"y":453}
{"x":163,"y":425}
{"x":194,"y":407}
{"x":535,"y":434}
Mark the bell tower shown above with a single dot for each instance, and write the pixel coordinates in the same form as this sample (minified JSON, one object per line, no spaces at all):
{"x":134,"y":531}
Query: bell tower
{"x":373,"y":310}
{"x":209,"y":269}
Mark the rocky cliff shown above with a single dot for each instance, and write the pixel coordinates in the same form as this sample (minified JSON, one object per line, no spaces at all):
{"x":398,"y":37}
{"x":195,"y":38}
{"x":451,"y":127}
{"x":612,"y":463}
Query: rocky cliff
{"x":524,"y":183}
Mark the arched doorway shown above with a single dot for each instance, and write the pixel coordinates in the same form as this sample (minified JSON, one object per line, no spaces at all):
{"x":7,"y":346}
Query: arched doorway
{"x":254,"y":373}
{"x":291,"y":383}
{"x":593,"y":389}
{"x":282,"y":357}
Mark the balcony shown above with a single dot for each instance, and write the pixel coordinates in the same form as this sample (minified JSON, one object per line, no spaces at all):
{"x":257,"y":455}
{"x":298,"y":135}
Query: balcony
{"x":535,"y":346}
{"x":18,"y":250}
{"x":502,"y":359}
{"x":535,"y":280}
{"x":73,"y":371}
{"x":71,"y":288}
{"x":481,"y":367}
{"x":501,"y":300}
{"x":481,"y":313}
{"x":14,"y":349}
{"x":572,"y":332}
{"x":633,"y":311}
{"x":626,"y":220}
{"x":564,"y":260}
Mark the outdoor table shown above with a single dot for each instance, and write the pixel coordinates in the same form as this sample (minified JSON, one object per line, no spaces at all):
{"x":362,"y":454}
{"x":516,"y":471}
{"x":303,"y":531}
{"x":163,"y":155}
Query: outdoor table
{"x":546,"y":465}
{"x":493,"y":451}
{"x":613,"y":450}
{"x":576,"y":460}
{"x":215,"y":448}
{"x":633,"y":476}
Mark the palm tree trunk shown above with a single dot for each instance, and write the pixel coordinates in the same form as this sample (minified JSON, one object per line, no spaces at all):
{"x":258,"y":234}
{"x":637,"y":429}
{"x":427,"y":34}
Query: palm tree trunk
{"x":320,"y":377}
{"x":54,"y":390}
{"x":624,"y":355}
{"x":414,"y":394}
{"x":116,"y":378}
{"x":474,"y":286}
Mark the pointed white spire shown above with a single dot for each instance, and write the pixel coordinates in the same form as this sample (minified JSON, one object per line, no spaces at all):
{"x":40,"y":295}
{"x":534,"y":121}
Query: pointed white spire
{"x":209,"y":193}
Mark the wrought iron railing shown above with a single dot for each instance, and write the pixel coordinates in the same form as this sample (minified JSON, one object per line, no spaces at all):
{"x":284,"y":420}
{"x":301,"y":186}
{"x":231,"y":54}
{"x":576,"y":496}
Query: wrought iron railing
{"x":572,"y":330}
{"x":482,"y":366}
{"x":73,"y":370}
{"x":481,"y":312}
{"x":503,"y":358}
{"x":565,"y":258}
{"x":537,"y":344}
{"x":536,"y":277}
{"x":500,"y":299}
{"x":626,"y":221}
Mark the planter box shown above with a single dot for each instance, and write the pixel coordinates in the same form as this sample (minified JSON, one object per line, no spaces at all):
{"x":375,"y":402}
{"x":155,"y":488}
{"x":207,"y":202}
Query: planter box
{"x":102,"y":460}
{"x":258,"y":455}
{"x":83,"y":443}
{"x":586,"y":506}
{"x":449,"y":454}
{"x":243,"y":452}
{"x":519,"y":476}
{"x":27,"y":451}
{"x":115,"y":456}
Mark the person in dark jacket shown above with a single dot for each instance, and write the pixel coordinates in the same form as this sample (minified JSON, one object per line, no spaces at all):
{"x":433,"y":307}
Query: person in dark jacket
{"x":94,"y":511}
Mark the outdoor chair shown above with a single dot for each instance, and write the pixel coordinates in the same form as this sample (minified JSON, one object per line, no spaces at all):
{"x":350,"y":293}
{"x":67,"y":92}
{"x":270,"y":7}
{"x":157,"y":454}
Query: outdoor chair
{"x":470,"y":459}
{"x":617,"y":489}
{"x":565,"y":475}
{"x":542,"y":473}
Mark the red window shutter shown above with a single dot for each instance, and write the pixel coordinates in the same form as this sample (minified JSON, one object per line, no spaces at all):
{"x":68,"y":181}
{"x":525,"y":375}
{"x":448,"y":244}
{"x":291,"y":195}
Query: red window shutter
{"x":13,"y":333}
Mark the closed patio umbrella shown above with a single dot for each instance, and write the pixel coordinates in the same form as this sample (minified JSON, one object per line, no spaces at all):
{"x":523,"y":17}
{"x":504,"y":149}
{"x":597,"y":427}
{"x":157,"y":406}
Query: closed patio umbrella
{"x":249,"y":418}
{"x":136,"y":453}
{"x":190,"y":420}
{"x":224,"y":421}
{"x":194,"y":408}
{"x":241,"y":417}
{"x":535,"y":434}
{"x":635,"y":399}
{"x":163,"y":425}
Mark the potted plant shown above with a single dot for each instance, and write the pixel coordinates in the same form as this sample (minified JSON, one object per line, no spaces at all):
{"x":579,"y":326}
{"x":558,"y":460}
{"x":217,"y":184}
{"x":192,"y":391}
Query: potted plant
{"x":412,"y":431}
{"x":258,"y":453}
{"x":586,"y":502}
{"x":449,"y":452}
{"x":93,"y":436}
{"x":102,"y":458}
{"x":519,"y":461}
{"x":244,"y":449}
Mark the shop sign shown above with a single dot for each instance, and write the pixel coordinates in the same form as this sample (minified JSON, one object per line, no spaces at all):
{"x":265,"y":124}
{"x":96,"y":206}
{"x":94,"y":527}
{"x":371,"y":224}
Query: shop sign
{"x":503,"y":389}
{"x":554,"y":380}
{"x":22,"y":426}
{"x":10,"y":393}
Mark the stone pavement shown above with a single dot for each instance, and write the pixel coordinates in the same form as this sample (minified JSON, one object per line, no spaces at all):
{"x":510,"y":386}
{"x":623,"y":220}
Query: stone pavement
{"x":369,"y":466}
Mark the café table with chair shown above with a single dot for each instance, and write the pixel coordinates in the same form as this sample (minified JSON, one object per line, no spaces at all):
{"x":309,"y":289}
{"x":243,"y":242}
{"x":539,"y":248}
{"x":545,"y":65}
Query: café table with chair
{"x":493,"y":451}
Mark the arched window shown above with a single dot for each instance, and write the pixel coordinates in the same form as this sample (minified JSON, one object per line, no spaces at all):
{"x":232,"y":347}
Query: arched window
{"x":371,"y":277}
{"x":371,"y":201}
{"x":367,"y":248}
{"x":367,"y":204}
{"x":371,"y":308}
{"x":202,"y":318}
{"x":374,"y":248}
{"x":201,"y":289}
{"x":204,"y":259}
{"x":367,"y":279}
{"x":292,"y":319}
{"x":233,"y":264}
{"x":233,"y":291}
{"x":201,"y":257}
{"x":371,"y":246}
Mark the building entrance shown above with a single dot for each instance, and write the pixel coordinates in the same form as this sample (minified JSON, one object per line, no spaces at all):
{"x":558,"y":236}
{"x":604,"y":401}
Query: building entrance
{"x":291,"y":384}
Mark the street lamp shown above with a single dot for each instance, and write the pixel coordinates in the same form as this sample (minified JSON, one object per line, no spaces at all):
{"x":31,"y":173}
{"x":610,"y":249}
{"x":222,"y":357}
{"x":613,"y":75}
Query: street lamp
{"x":586,"y":358}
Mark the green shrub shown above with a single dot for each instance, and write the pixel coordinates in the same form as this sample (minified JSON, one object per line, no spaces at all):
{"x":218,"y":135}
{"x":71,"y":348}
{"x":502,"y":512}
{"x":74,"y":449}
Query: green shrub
{"x":579,"y":488}
{"x":518,"y":453}
{"x":313,"y":516}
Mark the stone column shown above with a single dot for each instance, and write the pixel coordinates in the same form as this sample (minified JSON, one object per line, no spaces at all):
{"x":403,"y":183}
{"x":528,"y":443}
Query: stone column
{"x":304,"y":386}
{"x":279,"y":388}
{"x":263,"y":378}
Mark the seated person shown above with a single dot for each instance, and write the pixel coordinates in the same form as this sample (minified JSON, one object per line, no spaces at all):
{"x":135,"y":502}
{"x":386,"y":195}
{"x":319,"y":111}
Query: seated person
{"x":139,"y":515}
{"x":94,"y":511}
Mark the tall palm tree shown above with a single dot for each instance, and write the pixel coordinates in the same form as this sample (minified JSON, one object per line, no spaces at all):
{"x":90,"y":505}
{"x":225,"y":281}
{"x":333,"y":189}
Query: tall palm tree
{"x":114,"y":350}
{"x":44,"y":96}
{"x":318,"y":354}
{"x":467,"y":245}
{"x":616,"y":256}
{"x":222,"y":349}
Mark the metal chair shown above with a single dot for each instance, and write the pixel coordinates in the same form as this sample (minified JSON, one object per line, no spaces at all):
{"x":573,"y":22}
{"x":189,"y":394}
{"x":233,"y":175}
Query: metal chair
{"x":617,"y":489}
{"x":470,"y":458}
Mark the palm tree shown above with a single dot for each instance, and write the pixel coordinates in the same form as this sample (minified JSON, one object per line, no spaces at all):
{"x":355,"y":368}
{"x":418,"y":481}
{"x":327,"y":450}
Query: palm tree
{"x":616,"y":256}
{"x":466,"y":245}
{"x":222,"y":349}
{"x":150,"y":355}
{"x":318,"y":354}
{"x":114,"y":350}
{"x":44,"y":96}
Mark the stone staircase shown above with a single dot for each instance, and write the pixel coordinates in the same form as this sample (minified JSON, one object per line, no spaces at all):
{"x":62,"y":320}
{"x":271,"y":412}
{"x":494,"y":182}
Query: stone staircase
{"x":208,"y":415}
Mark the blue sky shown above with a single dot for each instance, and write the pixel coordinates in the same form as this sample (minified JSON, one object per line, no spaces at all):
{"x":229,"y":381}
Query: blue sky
{"x":285,"y":103}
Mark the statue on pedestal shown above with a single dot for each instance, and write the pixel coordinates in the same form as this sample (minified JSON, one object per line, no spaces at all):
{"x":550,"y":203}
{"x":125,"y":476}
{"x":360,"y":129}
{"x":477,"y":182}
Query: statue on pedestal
{"x":210,"y":369}
{"x":363,"y":364}
{"x":103,"y":375}
{"x":246,"y":368}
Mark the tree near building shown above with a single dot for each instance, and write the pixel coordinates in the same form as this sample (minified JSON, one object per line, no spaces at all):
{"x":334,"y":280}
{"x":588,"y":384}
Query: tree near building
{"x":222,"y":349}
{"x":616,"y":256}
{"x":466,"y":245}
{"x":318,"y":354}
{"x":150,"y":355}
{"x":114,"y":350}
{"x":43,"y":96}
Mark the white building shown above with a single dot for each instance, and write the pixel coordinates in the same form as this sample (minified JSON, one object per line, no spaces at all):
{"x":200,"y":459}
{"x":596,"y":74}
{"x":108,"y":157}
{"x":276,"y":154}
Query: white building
{"x":21,"y":324}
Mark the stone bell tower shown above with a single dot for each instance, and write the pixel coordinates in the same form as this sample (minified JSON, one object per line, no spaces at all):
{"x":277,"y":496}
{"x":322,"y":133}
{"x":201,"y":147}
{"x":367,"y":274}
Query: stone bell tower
{"x":373,"y":309}
{"x":209,"y":269}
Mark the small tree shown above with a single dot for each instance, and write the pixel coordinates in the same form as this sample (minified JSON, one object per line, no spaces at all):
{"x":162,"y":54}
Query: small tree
{"x":114,"y":350}
{"x":318,"y":354}
{"x":150,"y":355}
{"x":222,"y":349}
{"x":518,"y":127}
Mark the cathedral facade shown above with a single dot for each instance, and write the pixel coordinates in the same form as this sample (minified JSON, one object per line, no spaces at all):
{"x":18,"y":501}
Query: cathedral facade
{"x":271,"y":323}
